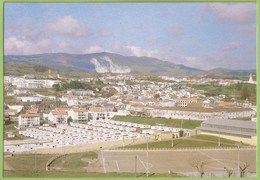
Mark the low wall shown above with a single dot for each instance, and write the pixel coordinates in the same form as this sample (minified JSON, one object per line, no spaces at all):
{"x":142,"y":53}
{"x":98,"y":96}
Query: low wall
{"x":252,"y":141}
{"x":90,"y":147}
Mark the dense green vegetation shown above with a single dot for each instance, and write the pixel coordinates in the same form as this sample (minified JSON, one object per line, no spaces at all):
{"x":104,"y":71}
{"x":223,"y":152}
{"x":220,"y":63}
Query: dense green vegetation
{"x":240,"y":91}
{"x":95,"y":86}
{"x":9,"y":126}
{"x":38,"y":68}
{"x":9,"y":99}
{"x":22,"y":69}
{"x":79,"y":85}
{"x":46,"y":91}
{"x":188,"y":124}
{"x":191,"y":142}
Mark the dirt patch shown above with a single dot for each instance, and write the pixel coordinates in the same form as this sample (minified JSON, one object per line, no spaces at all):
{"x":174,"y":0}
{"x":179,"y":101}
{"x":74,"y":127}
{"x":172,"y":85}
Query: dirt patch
{"x":7,"y":166}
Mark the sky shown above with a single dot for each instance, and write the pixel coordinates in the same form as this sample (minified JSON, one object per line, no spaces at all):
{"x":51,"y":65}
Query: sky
{"x":199,"y":35}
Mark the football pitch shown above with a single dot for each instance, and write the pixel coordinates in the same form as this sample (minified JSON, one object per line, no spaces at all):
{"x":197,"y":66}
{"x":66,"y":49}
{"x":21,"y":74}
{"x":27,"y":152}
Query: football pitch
{"x":179,"y":161}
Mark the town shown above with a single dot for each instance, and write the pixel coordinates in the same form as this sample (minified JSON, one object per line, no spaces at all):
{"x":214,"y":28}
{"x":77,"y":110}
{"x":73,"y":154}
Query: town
{"x":80,"y":107}
{"x":55,"y":114}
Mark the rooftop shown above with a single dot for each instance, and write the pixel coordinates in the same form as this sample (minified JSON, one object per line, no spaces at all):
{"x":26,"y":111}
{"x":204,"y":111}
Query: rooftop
{"x":59,"y":112}
{"x":232,"y":123}
{"x":79,"y":110}
{"x":29,"y":115}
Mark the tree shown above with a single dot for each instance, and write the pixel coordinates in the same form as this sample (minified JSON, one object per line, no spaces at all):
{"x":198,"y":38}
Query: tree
{"x":76,"y":85}
{"x":56,"y":87}
{"x":69,"y":120}
{"x":229,"y":171}
{"x":199,"y":165}
{"x":156,"y":96}
{"x":245,"y":92}
{"x":243,"y":168}
{"x":39,"y":68}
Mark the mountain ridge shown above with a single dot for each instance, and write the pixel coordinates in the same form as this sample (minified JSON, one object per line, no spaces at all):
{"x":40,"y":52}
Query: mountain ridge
{"x":103,"y":62}
{"x":106,"y":62}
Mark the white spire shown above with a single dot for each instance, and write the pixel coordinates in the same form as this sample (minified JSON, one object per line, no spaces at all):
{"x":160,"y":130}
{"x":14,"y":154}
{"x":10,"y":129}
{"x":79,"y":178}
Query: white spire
{"x":250,"y":78}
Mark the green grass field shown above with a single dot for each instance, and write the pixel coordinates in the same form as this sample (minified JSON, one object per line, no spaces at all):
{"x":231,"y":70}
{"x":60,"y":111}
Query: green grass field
{"x":192,"y":142}
{"x":74,"y":161}
{"x":187,"y":124}
{"x":46,"y":91}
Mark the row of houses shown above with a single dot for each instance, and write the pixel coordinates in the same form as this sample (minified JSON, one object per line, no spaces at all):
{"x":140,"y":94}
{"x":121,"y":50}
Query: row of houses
{"x":194,"y":113}
{"x":36,"y":98}
{"x":22,"y":82}
{"x":62,"y":115}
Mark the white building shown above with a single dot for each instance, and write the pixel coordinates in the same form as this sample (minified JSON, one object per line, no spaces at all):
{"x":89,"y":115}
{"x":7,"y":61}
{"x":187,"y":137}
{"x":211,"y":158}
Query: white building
{"x":251,"y":81}
{"x":200,"y":113}
{"x":20,"y":92}
{"x":56,"y":117}
{"x":18,"y":108}
{"x":29,"y":99}
{"x":80,"y":92}
{"x":25,"y":120}
{"x":98,"y":113}
{"x":184,"y":102}
{"x":10,"y":112}
{"x":78,"y":114}
{"x":79,"y":100}
{"x":21,"y":82}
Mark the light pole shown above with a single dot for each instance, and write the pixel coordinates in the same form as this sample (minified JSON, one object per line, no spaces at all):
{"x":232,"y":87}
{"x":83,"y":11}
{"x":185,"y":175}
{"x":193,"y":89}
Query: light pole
{"x":218,"y":139}
{"x":135,"y":165}
{"x":147,"y":170}
{"x":63,"y":144}
{"x":172,"y":139}
{"x":35,"y":162}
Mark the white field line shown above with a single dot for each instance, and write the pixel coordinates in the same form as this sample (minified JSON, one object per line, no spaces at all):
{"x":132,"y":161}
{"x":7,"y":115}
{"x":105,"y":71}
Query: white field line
{"x":117,"y":166}
{"x":142,"y":163}
{"x":213,"y":158}
{"x":103,"y":160}
{"x":146,"y":165}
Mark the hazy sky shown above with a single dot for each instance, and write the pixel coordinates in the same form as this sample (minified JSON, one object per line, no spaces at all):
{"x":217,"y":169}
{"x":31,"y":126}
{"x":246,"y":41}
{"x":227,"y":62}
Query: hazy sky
{"x":200,"y":35}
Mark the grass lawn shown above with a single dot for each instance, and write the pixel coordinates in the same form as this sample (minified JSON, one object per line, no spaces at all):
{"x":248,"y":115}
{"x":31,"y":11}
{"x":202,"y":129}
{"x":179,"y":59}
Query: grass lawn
{"x":28,"y":162}
{"x":46,"y":91}
{"x":74,"y":161}
{"x":9,"y":126}
{"x":194,"y":141}
{"x":187,"y":124}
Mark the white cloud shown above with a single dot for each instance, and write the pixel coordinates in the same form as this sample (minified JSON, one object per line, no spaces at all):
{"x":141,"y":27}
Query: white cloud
{"x":94,"y":49}
{"x":242,"y":15}
{"x":69,"y":26}
{"x":223,"y":59}
{"x":233,"y":12}
{"x":135,"y":51}
{"x":14,"y":45}
{"x":233,"y":45}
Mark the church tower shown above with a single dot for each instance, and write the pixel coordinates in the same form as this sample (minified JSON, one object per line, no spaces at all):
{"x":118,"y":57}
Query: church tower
{"x":250,"y":78}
